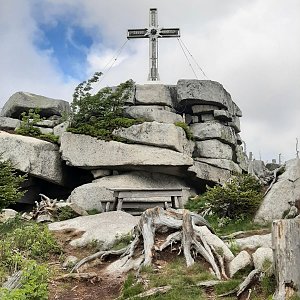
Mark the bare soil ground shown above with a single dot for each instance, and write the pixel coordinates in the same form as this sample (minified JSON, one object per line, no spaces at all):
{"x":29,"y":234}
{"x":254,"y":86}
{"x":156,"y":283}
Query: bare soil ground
{"x":104,"y":287}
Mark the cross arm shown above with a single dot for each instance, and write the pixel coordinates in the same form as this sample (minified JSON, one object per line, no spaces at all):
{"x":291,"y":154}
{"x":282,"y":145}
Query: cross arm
{"x":137,"y":33}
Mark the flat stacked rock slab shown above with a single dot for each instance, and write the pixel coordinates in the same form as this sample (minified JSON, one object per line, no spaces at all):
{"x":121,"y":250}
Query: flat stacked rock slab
{"x":7,"y":123}
{"x":213,"y":149}
{"x":30,"y":155}
{"x":150,"y":113}
{"x":153,"y":94}
{"x":214,"y":130}
{"x":154,"y":134}
{"x":90,"y":153}
{"x":22,"y":101}
{"x":202,"y":92}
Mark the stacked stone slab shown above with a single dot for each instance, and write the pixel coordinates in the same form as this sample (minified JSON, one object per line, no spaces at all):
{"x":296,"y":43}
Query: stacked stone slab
{"x":38,"y":158}
{"x":157,"y":152}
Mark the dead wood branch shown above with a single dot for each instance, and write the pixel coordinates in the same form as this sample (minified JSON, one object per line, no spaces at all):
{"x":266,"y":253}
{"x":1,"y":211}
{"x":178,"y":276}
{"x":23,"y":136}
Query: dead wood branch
{"x":153,"y":291}
{"x":92,"y":276}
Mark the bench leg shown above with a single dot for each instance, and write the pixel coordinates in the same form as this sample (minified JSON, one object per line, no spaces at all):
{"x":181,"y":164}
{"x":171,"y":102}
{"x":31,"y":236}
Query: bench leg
{"x":180,"y":204}
{"x":173,"y":203}
{"x":107,"y":206}
{"x":120,"y":203}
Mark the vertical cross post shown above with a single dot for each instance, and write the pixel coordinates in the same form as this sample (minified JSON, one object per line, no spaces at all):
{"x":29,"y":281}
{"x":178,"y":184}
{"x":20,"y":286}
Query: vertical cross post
{"x":153,"y":32}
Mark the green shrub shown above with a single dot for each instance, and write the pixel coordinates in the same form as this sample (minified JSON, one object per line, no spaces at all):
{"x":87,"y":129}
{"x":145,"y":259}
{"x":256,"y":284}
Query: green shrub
{"x":238,"y":199}
{"x":187,"y":130}
{"x":10,"y":183}
{"x":34,"y":283}
{"x":28,"y":126}
{"x":66,"y":213}
{"x":98,"y":115}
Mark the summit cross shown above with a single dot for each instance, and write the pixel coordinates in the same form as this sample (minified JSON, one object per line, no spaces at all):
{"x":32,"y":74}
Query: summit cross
{"x":153,"y":33}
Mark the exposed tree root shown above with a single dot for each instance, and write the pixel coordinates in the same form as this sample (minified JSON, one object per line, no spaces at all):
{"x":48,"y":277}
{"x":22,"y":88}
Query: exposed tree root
{"x":180,"y":227}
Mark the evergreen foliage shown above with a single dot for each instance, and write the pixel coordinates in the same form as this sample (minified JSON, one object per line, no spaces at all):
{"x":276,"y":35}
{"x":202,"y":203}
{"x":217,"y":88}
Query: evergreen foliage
{"x":10,"y":182}
{"x":238,"y":199}
{"x":187,"y":130}
{"x":98,"y":115}
{"x":28,"y":126}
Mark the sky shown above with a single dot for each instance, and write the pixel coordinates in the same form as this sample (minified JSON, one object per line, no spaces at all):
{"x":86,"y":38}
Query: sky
{"x":252,"y":47}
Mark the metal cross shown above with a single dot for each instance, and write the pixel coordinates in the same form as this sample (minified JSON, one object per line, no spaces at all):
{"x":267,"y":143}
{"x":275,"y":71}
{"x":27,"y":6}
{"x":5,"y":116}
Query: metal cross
{"x":153,"y":33}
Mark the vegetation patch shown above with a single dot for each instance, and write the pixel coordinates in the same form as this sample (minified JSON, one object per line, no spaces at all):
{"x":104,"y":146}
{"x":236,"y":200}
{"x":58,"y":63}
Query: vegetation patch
{"x":29,"y":127}
{"x":235,"y":202}
{"x":10,"y":181}
{"x":98,"y":115}
{"x":187,"y":130}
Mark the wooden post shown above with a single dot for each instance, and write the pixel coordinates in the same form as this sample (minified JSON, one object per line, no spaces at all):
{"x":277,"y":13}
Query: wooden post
{"x":286,"y":250}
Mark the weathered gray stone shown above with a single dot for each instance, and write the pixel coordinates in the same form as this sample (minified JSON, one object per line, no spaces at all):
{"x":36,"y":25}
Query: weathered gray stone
{"x":157,"y":94}
{"x":222,"y":115}
{"x":9,"y":123}
{"x":104,"y":228}
{"x":286,"y":189}
{"x":89,"y":196}
{"x":101,"y":154}
{"x":21,"y":101}
{"x":193,"y":92}
{"x":70,"y":261}
{"x":241,"y":158}
{"x":204,"y":108}
{"x":221,"y":163}
{"x":44,"y":130}
{"x":210,"y":173}
{"x":242,"y":260}
{"x":101,"y":173}
{"x":47,"y":123}
{"x":36,"y":157}
{"x":61,"y":128}
{"x":235,"y":124}
{"x":154,"y":134}
{"x":213,"y":130}
{"x":254,"y":241}
{"x":152,"y":113}
{"x":7,"y":214}
{"x":236,"y":110}
{"x":206,"y":117}
{"x":258,"y":168}
{"x":262,"y":256}
{"x":213,"y":149}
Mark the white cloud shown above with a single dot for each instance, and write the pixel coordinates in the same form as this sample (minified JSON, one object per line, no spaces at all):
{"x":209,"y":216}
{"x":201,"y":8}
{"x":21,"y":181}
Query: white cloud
{"x":251,"y":47}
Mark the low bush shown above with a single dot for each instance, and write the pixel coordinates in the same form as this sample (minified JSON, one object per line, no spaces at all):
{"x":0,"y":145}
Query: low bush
{"x":10,"y":182}
{"x":238,"y":199}
{"x":28,"y":127}
{"x":98,"y":115}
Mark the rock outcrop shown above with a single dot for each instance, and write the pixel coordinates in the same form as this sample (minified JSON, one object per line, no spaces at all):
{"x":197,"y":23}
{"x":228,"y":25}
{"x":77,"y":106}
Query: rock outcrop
{"x":286,"y":190}
{"x":21,"y":101}
{"x":188,"y":138}
{"x":30,"y":155}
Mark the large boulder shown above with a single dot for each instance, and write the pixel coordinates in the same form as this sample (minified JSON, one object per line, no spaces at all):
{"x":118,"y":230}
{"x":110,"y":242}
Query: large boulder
{"x":154,"y":134}
{"x":157,"y":94}
{"x":9,"y":123}
{"x":115,"y":155}
{"x":209,"y":173}
{"x":21,"y":101}
{"x":194,"y":91}
{"x":285,"y":190}
{"x":153,"y":113}
{"x":103,"y":228}
{"x":213,"y":149}
{"x":221,"y":163}
{"x":214,"y":130}
{"x":94,"y":195}
{"x":30,"y":155}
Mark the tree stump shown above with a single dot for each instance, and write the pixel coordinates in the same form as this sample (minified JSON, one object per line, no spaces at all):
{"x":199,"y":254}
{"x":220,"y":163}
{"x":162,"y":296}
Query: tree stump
{"x":286,"y":245}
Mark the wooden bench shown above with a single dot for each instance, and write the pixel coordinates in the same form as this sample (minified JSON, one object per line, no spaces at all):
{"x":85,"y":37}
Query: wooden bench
{"x":128,"y":198}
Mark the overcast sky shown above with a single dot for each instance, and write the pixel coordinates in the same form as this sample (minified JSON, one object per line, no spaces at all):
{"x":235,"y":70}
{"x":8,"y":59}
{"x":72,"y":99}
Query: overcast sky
{"x":252,"y":47}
